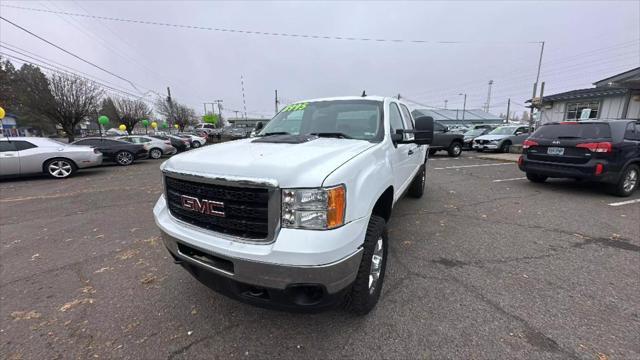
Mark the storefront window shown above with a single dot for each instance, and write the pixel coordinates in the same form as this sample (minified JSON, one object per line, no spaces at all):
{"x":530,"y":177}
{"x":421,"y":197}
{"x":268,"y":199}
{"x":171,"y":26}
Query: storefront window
{"x":582,"y":110}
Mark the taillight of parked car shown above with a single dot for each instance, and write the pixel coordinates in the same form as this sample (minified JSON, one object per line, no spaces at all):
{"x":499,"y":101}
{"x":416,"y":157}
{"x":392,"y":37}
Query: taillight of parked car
{"x":598,"y":147}
{"x":529,"y":143}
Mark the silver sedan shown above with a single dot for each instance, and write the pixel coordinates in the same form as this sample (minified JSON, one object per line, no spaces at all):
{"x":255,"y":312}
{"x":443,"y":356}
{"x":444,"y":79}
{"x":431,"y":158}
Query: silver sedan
{"x":156,"y":147}
{"x":33,"y":155}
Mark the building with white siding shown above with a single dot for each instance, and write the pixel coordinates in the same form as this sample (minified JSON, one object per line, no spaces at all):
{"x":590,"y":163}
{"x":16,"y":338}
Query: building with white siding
{"x":616,"y":97}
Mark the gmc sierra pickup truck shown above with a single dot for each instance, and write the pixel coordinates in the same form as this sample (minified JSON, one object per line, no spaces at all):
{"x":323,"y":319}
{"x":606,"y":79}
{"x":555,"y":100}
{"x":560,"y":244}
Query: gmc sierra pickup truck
{"x":295,"y":218}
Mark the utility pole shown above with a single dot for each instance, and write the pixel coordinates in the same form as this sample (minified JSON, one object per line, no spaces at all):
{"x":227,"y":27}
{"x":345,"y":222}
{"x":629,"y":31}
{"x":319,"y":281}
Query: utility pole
{"x":236,"y":111}
{"x":244,"y":102}
{"x":398,"y":96}
{"x":464,"y":105}
{"x":277,"y":101}
{"x":540,"y":103}
{"x":445,"y":104}
{"x":535,"y":87}
{"x":487,"y":104}
{"x":508,"y":109}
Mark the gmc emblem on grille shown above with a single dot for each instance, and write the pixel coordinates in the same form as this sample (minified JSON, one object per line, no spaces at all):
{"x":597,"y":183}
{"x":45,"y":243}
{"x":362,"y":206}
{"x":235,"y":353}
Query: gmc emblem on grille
{"x":204,"y":206}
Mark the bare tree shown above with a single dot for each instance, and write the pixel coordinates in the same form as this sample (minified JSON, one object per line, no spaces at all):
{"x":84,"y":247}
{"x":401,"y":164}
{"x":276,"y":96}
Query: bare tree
{"x":176,"y":113}
{"x":131,"y":111}
{"x":72,"y":100}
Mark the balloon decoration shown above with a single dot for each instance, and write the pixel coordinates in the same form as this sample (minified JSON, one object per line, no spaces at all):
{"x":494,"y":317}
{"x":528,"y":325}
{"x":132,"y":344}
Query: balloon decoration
{"x":145,"y":123}
{"x":176,"y":126}
{"x":2,"y":113}
{"x":154,"y":125}
{"x":165,"y":125}
{"x":103,"y":120}
{"x":122,"y":127}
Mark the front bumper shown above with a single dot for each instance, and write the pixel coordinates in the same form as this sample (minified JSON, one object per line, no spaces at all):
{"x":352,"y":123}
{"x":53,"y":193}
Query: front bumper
{"x":567,"y":170}
{"x":327,"y":261}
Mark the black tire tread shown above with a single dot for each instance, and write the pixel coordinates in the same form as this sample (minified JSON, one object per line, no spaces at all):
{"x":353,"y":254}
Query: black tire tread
{"x":359,"y":301}
{"x":617,"y":189}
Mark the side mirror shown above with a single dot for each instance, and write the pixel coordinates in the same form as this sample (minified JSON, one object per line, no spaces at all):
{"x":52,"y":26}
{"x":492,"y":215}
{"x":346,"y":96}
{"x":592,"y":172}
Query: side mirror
{"x":519,"y":133}
{"x":424,"y":130}
{"x":259,"y":126}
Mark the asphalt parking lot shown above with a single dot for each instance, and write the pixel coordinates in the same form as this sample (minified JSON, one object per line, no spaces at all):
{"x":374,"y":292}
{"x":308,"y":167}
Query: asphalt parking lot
{"x":486,"y":266}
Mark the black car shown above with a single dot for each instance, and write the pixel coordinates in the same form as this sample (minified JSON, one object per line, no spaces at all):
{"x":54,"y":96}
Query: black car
{"x":603,"y":151}
{"x":177,"y":142}
{"x":120,"y":152}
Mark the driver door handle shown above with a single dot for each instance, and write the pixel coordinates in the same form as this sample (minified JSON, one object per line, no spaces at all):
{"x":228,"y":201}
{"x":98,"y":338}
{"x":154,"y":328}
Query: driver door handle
{"x":410,"y":152}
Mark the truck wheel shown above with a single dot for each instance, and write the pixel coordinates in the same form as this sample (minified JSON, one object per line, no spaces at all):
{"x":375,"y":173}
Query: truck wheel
{"x":455,"y":149}
{"x":536,"y":178}
{"x":366,"y":288}
{"x":416,"y":189}
{"x":627,"y":183}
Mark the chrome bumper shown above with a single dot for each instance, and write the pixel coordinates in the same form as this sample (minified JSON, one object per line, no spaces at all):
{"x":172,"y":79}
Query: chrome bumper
{"x":333,"y":276}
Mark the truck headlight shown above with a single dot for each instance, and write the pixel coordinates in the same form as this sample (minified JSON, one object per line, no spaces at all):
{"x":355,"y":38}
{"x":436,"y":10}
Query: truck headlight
{"x":317,"y":209}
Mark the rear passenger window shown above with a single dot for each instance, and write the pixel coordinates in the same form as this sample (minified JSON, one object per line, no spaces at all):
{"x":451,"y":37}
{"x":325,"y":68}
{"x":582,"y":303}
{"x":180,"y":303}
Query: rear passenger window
{"x":631,"y":133}
{"x":23,"y":145}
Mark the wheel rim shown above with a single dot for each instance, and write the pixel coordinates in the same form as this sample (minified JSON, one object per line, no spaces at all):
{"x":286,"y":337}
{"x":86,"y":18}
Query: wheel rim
{"x":376,"y":265}
{"x":60,"y":168}
{"x":125,"y":158}
{"x":156,"y":154}
{"x":196,"y":144}
{"x":630,"y":180}
{"x":457,"y":150}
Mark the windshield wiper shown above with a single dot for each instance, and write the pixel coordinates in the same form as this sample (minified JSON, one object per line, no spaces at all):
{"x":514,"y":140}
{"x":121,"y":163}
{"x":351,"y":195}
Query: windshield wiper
{"x":276,"y":133}
{"x":332,"y":134}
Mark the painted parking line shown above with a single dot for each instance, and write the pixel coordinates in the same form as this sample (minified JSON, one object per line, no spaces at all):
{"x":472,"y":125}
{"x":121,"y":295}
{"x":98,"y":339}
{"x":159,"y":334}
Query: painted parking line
{"x":471,"y":166}
{"x":625,"y":202}
{"x":513,"y":179}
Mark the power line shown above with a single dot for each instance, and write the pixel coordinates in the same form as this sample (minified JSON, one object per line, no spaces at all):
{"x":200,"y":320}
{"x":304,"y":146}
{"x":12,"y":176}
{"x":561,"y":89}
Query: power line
{"x":66,"y":72}
{"x":72,"y":54}
{"x":266,"y":33}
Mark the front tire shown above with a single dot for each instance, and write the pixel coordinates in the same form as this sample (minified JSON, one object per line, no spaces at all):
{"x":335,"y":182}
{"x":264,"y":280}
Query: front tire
{"x":195,"y":145}
{"x":366,"y":289}
{"x":628,"y":182}
{"x":432,"y":151}
{"x":455,"y":149}
{"x":59,"y":168}
{"x":536,"y":178}
{"x":416,"y":189}
{"x":124,"y":158}
{"x":504,"y":148}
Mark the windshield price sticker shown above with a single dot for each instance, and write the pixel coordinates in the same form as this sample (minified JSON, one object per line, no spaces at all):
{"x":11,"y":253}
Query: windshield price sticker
{"x":295,"y":107}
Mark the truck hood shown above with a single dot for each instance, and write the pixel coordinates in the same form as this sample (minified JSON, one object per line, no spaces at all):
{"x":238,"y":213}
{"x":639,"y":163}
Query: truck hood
{"x":492,"y":137}
{"x":284,"y":165}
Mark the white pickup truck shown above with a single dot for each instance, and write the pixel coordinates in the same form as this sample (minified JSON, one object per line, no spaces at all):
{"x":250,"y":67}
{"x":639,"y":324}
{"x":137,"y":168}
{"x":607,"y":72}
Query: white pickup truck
{"x":295,"y":218}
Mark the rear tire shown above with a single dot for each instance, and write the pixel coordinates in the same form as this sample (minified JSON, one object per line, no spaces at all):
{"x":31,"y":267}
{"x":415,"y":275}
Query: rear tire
{"x":366,"y":289}
{"x":455,"y":149}
{"x":536,"y":178}
{"x":195,"y":145}
{"x":628,"y":182}
{"x":155,"y":153}
{"x":416,"y":189}
{"x":59,"y":168}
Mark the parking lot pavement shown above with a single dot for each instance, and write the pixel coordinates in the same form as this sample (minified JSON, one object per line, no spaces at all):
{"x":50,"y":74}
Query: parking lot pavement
{"x":486,"y":265}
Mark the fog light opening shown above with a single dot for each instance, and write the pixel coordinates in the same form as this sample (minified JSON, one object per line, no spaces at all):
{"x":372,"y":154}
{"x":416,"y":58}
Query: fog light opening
{"x":306,"y":295}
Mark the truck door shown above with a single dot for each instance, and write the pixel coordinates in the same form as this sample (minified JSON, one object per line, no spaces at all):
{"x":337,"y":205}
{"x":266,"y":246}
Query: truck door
{"x":9,"y":159}
{"x":402,"y":154}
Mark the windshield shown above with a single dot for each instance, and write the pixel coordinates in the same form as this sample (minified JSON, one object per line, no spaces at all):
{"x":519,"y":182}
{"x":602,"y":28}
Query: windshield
{"x":503,"y":131}
{"x":474,"y":132}
{"x":357,"y":119}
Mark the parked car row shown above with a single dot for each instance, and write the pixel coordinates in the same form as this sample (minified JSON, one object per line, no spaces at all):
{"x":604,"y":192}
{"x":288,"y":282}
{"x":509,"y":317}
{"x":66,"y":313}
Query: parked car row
{"x":35,"y":155}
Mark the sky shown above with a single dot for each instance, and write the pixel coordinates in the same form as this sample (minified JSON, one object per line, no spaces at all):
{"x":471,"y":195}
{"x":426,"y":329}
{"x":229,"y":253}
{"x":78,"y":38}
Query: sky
{"x":462,"y":46}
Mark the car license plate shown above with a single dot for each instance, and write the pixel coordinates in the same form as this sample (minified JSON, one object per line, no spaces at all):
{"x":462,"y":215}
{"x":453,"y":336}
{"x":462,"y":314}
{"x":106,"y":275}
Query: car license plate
{"x":555,"y":151}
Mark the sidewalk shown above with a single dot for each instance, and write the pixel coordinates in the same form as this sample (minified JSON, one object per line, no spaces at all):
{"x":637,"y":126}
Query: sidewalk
{"x":506,"y":157}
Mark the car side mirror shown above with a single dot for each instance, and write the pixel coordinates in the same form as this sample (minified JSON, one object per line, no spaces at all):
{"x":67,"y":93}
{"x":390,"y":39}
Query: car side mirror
{"x":259,"y":126}
{"x":423,"y":130}
{"x":519,"y":133}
